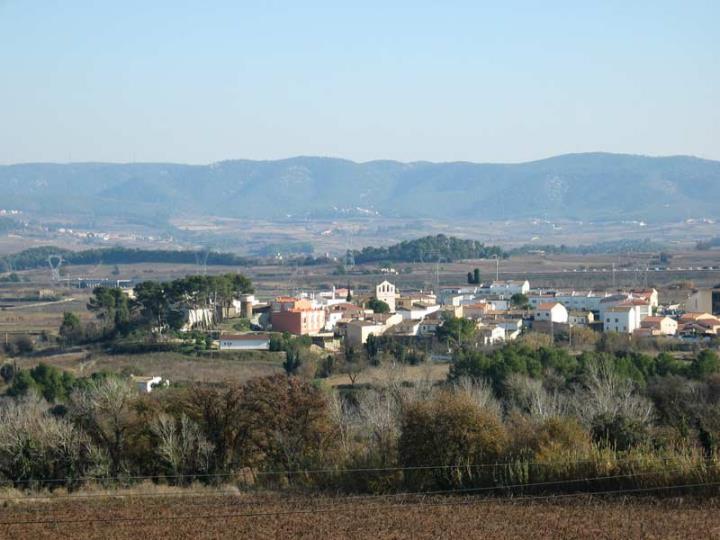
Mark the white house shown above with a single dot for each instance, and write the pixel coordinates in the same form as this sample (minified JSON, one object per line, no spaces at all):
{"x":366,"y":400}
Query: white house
{"x":417,"y":312}
{"x":580,"y":301}
{"x":551,"y":311}
{"x":611,"y":301}
{"x":624,"y":319}
{"x":491,"y":335}
{"x":503,"y":289}
{"x":572,"y":300}
{"x":245,"y":342}
{"x":512,"y":327}
{"x":508,"y":288}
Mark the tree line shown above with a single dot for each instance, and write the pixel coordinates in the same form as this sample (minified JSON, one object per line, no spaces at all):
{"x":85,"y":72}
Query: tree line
{"x":525,"y":437}
{"x":155,"y":308}
{"x":427,"y":249}
{"x":37,"y":257}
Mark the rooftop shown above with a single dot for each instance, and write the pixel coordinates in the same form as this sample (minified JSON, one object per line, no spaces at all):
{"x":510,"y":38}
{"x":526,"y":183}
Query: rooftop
{"x":548,"y":306}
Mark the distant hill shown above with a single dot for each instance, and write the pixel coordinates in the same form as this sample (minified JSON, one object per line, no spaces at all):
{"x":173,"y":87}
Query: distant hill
{"x":427,"y":249}
{"x":593,"y":186}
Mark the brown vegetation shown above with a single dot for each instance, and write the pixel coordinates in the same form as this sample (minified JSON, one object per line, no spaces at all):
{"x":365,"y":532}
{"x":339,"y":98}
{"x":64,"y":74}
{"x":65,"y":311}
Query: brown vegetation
{"x":161,"y":513}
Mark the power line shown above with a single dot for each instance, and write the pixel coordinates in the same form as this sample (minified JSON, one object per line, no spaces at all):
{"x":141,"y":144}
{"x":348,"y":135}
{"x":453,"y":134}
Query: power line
{"x":326,"y":471}
{"x":200,"y":493}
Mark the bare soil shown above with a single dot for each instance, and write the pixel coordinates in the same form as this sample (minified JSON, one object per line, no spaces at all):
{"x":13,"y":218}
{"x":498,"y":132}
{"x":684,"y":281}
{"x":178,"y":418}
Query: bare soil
{"x":235,"y":515}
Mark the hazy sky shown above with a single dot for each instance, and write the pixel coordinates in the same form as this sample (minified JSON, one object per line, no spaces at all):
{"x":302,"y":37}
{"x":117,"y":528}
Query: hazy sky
{"x":511,"y":81}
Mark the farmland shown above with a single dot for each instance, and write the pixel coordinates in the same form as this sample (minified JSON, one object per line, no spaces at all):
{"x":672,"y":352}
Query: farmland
{"x":229,"y":513}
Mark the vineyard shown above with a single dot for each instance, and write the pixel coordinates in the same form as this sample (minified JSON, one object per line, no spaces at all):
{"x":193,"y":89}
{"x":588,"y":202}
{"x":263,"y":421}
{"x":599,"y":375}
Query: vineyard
{"x":148,"y":511}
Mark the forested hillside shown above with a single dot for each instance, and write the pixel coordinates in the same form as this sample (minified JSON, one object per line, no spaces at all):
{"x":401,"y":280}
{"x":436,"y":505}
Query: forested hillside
{"x":582,"y":186}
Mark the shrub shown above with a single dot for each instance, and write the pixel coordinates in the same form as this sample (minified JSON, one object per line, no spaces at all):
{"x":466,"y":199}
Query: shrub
{"x":449,"y":431}
{"x":618,"y":432}
{"x":34,"y":445}
{"x":704,"y":364}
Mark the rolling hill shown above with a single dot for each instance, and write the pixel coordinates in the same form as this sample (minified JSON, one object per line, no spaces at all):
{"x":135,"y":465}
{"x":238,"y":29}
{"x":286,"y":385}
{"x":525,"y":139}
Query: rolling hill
{"x":593,"y":186}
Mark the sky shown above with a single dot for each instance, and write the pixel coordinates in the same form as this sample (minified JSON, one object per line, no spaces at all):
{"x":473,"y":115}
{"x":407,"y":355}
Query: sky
{"x":511,"y":81}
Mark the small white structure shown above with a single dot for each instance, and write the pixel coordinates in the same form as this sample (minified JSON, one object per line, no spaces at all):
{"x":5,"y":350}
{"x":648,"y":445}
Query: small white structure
{"x":405,"y":328}
{"x":551,"y":311}
{"x":245,"y":342}
{"x":512,"y":327}
{"x":417,"y":312}
{"x":510,"y":287}
{"x":491,"y":335}
{"x":145,"y":385}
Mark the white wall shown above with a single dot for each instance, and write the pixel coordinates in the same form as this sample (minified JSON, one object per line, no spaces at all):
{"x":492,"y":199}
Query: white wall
{"x":244,"y":344}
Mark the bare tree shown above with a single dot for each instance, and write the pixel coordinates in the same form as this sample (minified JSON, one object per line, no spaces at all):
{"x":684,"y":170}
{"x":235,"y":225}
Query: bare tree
{"x":607,"y":393}
{"x":180,"y":445}
{"x":480,"y":393}
{"x":378,"y":423}
{"x":343,"y":420}
{"x":530,"y":397}
{"x":35,"y":445}
{"x":104,"y":411}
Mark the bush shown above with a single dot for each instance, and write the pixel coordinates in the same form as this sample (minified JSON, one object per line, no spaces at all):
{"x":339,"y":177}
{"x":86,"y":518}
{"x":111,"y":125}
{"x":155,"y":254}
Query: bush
{"x":378,"y":306}
{"x":22,"y":344}
{"x":50,"y":382}
{"x":704,"y":364}
{"x":618,"y":432}
{"x":448,"y":431}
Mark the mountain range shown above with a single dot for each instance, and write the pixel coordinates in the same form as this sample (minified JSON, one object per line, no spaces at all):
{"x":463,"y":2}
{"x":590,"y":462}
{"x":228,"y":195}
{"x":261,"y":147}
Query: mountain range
{"x":589,"y":186}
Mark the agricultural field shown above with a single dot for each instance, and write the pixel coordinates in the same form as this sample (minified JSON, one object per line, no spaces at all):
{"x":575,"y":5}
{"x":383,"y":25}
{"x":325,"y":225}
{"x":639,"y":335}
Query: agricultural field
{"x":178,"y":368}
{"x":685,"y":269}
{"x":228,"y":513}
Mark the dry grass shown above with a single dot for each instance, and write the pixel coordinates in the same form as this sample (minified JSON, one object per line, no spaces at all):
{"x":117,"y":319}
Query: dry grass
{"x":205,"y":513}
{"x":428,"y":371}
{"x":174,"y":366}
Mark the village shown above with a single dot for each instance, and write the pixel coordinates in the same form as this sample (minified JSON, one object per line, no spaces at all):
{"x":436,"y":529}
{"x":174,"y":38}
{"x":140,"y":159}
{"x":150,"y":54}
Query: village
{"x":501,"y":311}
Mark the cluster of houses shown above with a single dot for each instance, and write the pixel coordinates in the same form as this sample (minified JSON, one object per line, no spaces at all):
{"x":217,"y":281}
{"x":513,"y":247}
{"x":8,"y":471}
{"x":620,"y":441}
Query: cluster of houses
{"x":501,"y":310}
